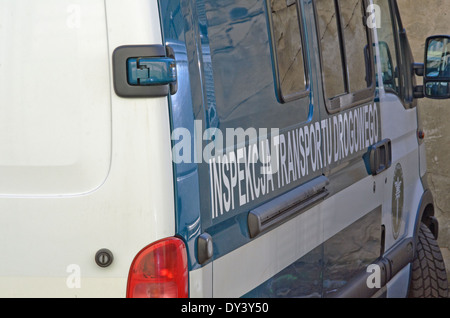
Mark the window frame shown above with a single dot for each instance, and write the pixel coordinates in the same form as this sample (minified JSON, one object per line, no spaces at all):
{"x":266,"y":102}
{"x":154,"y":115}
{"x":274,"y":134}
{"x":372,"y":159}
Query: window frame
{"x":347,"y":100}
{"x":283,"y":99}
{"x":406,"y":75}
{"x":398,"y":55}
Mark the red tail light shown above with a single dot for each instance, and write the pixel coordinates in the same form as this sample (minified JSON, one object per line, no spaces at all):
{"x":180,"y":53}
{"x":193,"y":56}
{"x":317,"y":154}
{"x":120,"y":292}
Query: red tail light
{"x":160,"y":271}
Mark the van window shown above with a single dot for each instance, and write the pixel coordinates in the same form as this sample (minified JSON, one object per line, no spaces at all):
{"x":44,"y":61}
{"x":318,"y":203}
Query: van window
{"x":388,"y":49}
{"x":288,"y":48}
{"x":333,"y":74}
{"x":355,"y":40}
{"x":344,"y":41}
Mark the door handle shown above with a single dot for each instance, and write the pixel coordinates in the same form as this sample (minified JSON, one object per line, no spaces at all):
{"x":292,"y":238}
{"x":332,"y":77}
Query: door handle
{"x":379,"y":157}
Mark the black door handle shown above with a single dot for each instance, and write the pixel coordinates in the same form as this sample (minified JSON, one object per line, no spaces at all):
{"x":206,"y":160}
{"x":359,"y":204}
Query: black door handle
{"x":379,"y":157}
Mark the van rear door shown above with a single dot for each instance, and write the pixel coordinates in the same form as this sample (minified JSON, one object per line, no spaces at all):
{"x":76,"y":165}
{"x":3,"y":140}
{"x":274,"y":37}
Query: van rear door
{"x":68,"y":188}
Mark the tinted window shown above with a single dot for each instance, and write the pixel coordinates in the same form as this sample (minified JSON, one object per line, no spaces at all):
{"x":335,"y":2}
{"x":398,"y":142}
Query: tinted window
{"x":332,"y":67}
{"x":287,"y":44}
{"x":355,"y":39}
{"x":344,"y":41}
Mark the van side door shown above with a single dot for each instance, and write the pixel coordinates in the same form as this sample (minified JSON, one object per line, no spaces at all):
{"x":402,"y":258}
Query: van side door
{"x":351,"y":123}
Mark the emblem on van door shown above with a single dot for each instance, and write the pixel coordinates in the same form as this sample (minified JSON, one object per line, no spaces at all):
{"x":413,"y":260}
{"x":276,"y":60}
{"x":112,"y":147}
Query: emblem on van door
{"x":397,"y":200}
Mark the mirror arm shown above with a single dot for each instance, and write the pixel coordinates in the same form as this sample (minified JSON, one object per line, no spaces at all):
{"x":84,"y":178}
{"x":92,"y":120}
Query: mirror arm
{"x":419,"y":69}
{"x":418,"y":92}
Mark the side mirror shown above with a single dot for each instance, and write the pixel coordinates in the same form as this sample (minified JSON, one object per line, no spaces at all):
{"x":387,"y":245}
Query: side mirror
{"x":437,"y":67}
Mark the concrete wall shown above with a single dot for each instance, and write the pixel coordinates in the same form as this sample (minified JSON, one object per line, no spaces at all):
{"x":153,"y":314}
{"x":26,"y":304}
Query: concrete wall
{"x":422,"y":19}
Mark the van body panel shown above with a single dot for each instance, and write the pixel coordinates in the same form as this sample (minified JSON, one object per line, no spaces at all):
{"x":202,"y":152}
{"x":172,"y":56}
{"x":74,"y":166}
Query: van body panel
{"x":57,"y":125}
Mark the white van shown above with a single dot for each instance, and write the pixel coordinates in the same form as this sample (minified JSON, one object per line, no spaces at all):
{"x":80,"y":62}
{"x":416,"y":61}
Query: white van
{"x":202,"y":148}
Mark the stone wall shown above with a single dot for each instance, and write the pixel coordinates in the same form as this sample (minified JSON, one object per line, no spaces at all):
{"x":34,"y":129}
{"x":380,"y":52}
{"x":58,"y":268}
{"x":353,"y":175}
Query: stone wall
{"x":422,"y":19}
